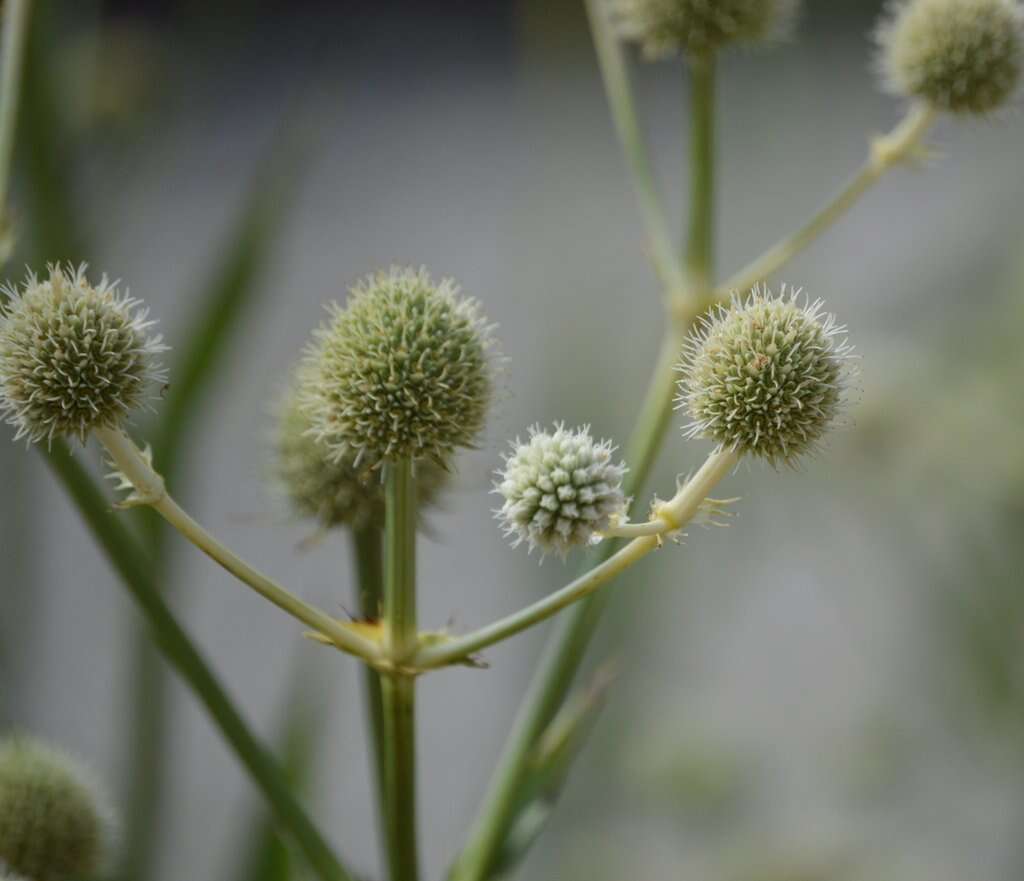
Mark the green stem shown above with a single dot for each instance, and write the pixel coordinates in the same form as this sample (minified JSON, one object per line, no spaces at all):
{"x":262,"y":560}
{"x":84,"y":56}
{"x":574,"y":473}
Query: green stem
{"x":367,"y":550}
{"x":398,"y":686}
{"x":565,"y":651}
{"x":15,"y":25}
{"x":887,"y":152}
{"x":133,"y":566}
{"x":615,"y":75}
{"x":700,"y":238}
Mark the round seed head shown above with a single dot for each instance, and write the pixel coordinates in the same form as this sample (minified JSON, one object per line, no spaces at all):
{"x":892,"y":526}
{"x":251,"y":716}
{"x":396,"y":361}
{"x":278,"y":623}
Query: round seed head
{"x":403,"y":372}
{"x":560,"y":488}
{"x":961,"y":56}
{"x":52,"y":825}
{"x":73,"y":356}
{"x":665,"y":28}
{"x":335,"y":491}
{"x":765,"y":376}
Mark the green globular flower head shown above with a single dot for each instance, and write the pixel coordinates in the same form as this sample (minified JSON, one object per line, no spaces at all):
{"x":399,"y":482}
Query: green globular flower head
{"x":53,"y":826}
{"x":402,"y":372}
{"x":665,"y":28}
{"x":73,"y":356}
{"x":960,"y":56}
{"x":765,"y":376}
{"x":560,"y":489}
{"x":336,"y":491}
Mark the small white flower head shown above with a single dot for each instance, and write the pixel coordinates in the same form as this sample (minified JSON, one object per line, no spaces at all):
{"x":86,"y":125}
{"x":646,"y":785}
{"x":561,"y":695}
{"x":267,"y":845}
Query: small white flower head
{"x":560,"y":488}
{"x":960,"y":56}
{"x":73,"y":356}
{"x":665,"y":28}
{"x":335,"y":491}
{"x":54,"y":823}
{"x":403,"y":372}
{"x":765,"y":376}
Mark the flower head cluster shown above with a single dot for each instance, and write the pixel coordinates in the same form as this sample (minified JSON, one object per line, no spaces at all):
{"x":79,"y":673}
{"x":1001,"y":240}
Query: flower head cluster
{"x":336,"y":491}
{"x":52,"y":823}
{"x":765,"y":376}
{"x":560,"y":488}
{"x":961,"y":56}
{"x":695,"y":27}
{"x":403,"y":372}
{"x":73,"y":356}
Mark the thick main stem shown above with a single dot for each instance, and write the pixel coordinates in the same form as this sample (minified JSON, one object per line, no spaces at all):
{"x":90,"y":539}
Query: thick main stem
{"x":367,"y":548}
{"x":399,"y":686}
{"x":700,"y":237}
{"x":15,"y":32}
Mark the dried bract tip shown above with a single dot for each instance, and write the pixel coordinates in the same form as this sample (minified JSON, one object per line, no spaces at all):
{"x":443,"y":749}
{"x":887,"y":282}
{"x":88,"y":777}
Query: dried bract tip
{"x":961,"y":56}
{"x":403,"y":372}
{"x":52,"y":823}
{"x":335,"y":491}
{"x":560,"y":488}
{"x":765,"y":376}
{"x":73,"y":356}
{"x":665,"y":28}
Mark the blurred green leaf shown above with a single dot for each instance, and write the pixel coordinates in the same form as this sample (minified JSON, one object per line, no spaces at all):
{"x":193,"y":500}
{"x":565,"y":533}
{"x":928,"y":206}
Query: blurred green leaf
{"x":228,"y":297}
{"x":556,"y":750}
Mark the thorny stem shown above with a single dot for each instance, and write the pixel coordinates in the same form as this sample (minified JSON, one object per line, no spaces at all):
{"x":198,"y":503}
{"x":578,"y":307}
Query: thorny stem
{"x":669,"y":517}
{"x":399,"y":685}
{"x":887,"y":151}
{"x":15,"y":26}
{"x":150,"y":490}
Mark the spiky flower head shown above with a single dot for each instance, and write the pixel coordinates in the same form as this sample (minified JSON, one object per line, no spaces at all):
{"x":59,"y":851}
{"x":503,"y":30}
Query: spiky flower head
{"x":696,"y":27}
{"x":331,"y":490}
{"x":765,"y":376}
{"x":73,"y":356}
{"x":961,"y":56}
{"x":560,"y":488}
{"x":402,"y":372}
{"x":53,"y":825}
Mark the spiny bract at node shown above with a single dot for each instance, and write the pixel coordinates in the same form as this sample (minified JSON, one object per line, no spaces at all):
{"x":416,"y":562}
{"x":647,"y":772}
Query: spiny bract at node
{"x":73,"y":356}
{"x":403,"y":372}
{"x":962,"y":56}
{"x":696,"y":27}
{"x":765,"y":376}
{"x":52,"y":823}
{"x":560,"y":488}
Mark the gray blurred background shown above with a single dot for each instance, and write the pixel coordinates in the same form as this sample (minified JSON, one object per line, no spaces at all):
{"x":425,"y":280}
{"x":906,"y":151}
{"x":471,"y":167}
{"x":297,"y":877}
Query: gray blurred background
{"x":831,"y":688}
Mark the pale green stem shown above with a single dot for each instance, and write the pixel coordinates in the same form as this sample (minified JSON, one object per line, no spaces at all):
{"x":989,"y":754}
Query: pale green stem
{"x":15,"y":25}
{"x":612,"y":62}
{"x":887,"y":151}
{"x":150,"y":490}
{"x":670,"y":516}
{"x":398,"y":686}
{"x":700,"y":238}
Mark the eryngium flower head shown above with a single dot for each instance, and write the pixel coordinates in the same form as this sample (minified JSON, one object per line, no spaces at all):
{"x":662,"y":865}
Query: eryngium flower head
{"x":73,"y":356}
{"x":403,"y":372}
{"x":765,"y":376}
{"x":335,"y":491}
{"x":52,"y":823}
{"x":696,"y":27}
{"x":963,"y":56}
{"x":560,"y":488}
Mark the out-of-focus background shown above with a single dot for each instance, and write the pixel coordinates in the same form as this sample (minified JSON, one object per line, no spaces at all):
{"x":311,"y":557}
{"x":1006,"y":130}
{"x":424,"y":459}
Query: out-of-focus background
{"x":832,"y":688}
